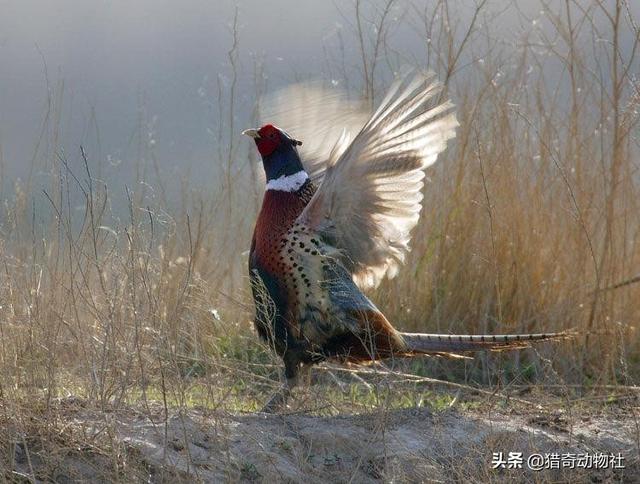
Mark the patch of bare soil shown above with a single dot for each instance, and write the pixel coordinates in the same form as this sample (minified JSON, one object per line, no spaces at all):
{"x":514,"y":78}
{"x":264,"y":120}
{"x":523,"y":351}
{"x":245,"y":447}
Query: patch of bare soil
{"x":414,"y":445}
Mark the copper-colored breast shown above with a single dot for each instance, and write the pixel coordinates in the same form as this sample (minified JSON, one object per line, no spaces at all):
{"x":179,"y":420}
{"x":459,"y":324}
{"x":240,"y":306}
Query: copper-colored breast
{"x":278,"y":214}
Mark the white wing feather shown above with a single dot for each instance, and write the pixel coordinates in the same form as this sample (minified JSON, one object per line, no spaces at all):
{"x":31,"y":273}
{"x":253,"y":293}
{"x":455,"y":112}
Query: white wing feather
{"x":371,"y":195}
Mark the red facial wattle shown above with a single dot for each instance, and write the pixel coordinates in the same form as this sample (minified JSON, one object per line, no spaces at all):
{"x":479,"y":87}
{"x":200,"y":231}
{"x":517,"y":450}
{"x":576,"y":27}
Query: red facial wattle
{"x":269,"y":140}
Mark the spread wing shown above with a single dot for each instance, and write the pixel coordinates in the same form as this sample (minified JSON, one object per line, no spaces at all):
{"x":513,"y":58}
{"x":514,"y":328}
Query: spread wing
{"x":371,"y":194}
{"x":315,"y":115}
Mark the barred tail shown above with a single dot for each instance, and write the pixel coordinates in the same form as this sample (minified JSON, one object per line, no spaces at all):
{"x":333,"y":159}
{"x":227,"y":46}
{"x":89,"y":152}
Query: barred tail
{"x":439,"y":343}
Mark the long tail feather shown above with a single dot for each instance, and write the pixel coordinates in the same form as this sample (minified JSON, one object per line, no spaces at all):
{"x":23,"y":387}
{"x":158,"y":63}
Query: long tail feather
{"x":441,"y":343}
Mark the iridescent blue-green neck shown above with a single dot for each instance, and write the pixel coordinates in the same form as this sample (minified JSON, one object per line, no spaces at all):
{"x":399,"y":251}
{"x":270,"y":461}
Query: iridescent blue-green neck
{"x":284,"y":161}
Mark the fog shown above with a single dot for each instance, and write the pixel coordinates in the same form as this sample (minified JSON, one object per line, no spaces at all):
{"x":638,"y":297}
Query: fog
{"x":150,"y":62}
{"x":129,"y":80}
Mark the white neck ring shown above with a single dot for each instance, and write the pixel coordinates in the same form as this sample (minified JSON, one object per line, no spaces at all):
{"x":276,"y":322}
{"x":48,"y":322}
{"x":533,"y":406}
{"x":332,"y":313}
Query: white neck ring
{"x":288,"y":183}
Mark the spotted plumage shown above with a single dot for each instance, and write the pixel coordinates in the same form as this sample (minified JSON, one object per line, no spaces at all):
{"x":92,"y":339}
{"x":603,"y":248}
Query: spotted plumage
{"x":327,"y":232}
{"x":307,"y":303}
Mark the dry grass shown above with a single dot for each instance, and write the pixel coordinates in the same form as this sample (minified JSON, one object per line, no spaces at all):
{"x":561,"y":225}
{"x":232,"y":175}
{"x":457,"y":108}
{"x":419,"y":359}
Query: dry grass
{"x":530,"y":224}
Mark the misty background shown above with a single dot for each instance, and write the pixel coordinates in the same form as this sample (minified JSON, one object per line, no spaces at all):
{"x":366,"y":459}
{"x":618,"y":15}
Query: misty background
{"x":149,"y":82}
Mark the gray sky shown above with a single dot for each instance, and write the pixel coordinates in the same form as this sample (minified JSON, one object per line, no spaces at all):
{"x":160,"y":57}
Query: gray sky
{"x":114,"y":56}
{"x":117,"y":56}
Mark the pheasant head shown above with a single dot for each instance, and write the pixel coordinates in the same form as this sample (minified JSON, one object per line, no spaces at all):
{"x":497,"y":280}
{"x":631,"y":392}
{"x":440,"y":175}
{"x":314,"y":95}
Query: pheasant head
{"x":279,"y":152}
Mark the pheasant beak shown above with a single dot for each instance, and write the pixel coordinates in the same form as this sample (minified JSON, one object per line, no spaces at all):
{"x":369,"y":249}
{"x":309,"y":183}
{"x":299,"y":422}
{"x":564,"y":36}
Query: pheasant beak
{"x":252,"y":132}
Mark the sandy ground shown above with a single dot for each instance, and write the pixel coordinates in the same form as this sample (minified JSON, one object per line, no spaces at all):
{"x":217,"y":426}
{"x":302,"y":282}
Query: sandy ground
{"x":411,"y":445}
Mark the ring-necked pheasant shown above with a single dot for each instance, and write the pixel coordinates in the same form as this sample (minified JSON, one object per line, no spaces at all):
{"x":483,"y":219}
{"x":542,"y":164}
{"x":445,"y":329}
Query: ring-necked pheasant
{"x":326,"y":233}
